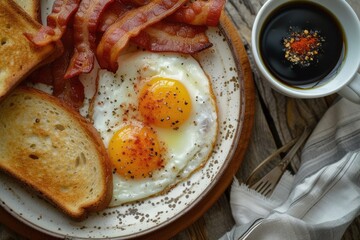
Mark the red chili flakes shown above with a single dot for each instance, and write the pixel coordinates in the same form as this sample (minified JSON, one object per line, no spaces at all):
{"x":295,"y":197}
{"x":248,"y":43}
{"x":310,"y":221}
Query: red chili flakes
{"x":302,"y":47}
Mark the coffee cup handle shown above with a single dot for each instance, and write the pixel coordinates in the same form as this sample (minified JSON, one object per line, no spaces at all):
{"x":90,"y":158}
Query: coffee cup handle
{"x":352,"y":90}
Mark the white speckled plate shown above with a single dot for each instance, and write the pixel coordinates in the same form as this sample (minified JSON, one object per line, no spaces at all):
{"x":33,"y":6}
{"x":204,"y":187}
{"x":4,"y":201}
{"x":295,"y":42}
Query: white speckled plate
{"x":227,"y":64}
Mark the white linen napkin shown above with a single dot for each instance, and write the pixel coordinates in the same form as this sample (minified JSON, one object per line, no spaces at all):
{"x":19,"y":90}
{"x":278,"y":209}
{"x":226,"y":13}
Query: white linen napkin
{"x":321,"y":200}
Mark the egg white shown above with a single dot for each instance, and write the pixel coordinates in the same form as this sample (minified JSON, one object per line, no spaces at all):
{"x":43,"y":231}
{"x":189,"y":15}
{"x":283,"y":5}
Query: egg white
{"x":188,"y":147}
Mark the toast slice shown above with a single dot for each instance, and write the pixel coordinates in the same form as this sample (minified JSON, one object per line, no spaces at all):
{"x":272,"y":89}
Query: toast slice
{"x":55,"y":151}
{"x":19,"y":57}
{"x":32,"y":7}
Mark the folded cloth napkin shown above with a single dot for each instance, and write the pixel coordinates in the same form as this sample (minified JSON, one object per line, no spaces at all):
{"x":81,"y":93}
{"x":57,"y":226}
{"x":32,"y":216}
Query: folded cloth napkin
{"x":321,"y":200}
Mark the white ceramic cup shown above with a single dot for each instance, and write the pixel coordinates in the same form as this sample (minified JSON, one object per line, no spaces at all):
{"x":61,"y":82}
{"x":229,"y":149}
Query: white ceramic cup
{"x":344,"y":80}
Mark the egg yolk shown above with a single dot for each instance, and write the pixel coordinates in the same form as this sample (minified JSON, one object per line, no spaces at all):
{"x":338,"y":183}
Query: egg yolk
{"x":164,"y":103}
{"x":135,"y":152}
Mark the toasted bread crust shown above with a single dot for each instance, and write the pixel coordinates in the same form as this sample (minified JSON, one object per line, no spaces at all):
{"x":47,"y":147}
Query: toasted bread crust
{"x":19,"y":57}
{"x":32,"y":7}
{"x":56,"y":157}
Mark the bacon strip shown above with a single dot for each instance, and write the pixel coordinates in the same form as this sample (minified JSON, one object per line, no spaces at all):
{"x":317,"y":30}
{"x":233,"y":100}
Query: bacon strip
{"x":136,"y":3}
{"x":200,"y":12}
{"x":70,"y":91}
{"x":173,"y":37}
{"x":85,"y":27}
{"x":57,"y":22}
{"x":41,"y":75}
{"x":118,"y":34}
{"x":111,"y":14}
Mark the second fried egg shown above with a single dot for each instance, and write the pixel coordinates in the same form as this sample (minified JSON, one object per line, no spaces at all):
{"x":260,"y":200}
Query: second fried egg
{"x":157,"y":116}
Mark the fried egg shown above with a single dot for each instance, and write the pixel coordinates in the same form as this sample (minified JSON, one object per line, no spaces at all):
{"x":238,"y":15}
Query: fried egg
{"x":157,"y":116}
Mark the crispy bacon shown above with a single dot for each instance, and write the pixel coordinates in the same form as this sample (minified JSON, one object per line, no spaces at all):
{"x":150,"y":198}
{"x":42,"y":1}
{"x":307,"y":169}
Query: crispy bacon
{"x":59,"y":67}
{"x":200,"y":12}
{"x":162,"y":36}
{"x":41,"y":75}
{"x":70,"y":91}
{"x":118,"y":34}
{"x":111,"y":14}
{"x":85,"y":27}
{"x":135,"y":2}
{"x":57,"y":22}
{"x":173,"y":37}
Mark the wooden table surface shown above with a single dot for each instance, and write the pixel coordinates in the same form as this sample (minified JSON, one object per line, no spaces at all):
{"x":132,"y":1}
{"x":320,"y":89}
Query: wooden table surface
{"x":278,"y":119}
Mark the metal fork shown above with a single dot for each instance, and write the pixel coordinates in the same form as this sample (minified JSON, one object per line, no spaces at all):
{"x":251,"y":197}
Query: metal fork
{"x":266,"y":184}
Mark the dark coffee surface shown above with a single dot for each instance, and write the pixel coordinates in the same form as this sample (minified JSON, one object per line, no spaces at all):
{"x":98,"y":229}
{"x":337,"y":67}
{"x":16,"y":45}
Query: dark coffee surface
{"x":301,"y":16}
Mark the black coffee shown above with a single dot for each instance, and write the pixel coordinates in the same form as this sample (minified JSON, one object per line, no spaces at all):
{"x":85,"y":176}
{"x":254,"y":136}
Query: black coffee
{"x":301,"y":43}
